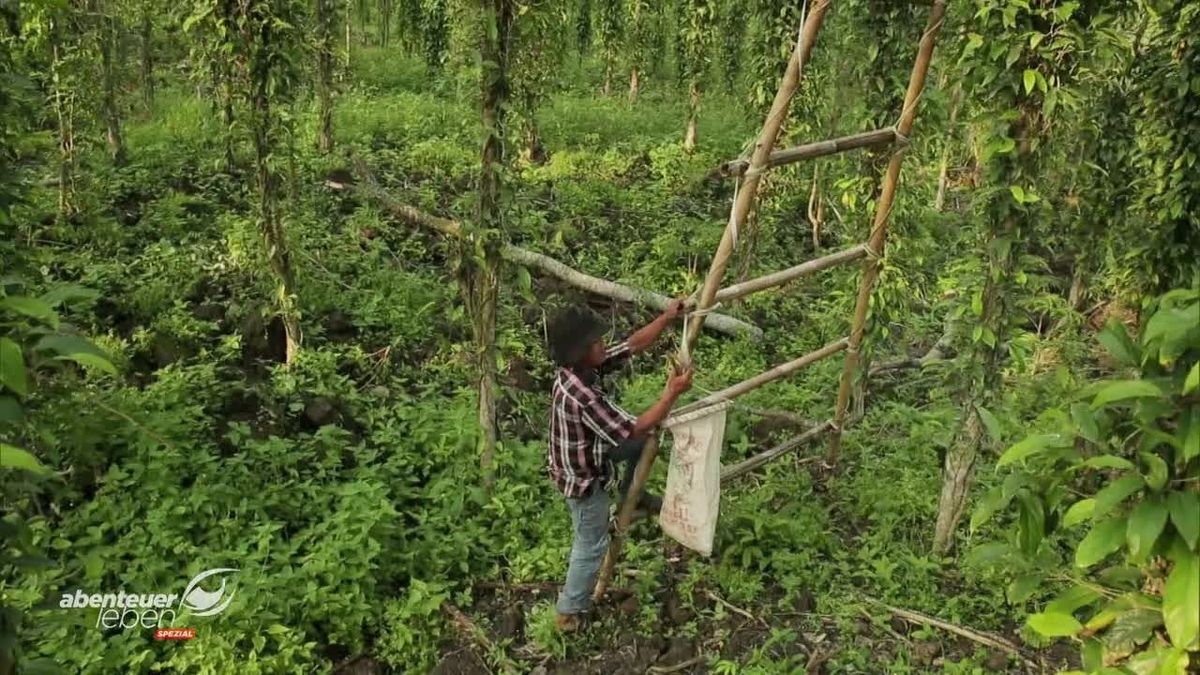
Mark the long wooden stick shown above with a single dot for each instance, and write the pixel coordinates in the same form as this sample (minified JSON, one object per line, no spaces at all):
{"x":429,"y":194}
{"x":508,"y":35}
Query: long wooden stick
{"x":767,"y":376}
{"x":625,"y":515}
{"x":883,"y":209}
{"x":832,"y":146}
{"x":758,"y":162}
{"x":716,"y":272}
{"x":721,"y":323}
{"x":784,"y":276}
{"x":746,"y":466}
{"x":982,"y":638}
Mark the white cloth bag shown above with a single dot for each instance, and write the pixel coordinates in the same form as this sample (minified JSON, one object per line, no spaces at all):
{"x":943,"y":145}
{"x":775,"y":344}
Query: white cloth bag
{"x":689,"y":510}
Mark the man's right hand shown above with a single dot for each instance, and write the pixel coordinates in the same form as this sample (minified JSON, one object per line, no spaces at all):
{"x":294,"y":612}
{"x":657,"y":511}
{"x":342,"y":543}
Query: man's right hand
{"x":679,"y":382}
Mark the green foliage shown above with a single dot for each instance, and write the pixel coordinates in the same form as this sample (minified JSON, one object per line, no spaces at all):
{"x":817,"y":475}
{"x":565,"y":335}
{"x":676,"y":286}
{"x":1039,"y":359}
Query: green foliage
{"x":1129,"y":450}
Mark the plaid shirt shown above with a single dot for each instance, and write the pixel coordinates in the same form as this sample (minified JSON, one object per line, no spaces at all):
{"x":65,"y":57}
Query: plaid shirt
{"x":584,"y":426}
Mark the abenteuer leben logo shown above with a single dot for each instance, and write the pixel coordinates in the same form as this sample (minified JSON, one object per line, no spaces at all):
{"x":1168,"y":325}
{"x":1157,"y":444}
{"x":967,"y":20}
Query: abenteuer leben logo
{"x":156,"y":610}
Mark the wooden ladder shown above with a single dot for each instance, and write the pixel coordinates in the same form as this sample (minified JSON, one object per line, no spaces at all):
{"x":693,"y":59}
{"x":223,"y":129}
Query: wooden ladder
{"x":748,"y":172}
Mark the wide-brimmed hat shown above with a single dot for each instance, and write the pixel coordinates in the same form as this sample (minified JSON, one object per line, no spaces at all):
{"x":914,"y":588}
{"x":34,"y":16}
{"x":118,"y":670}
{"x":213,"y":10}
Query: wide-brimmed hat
{"x":571,"y":333}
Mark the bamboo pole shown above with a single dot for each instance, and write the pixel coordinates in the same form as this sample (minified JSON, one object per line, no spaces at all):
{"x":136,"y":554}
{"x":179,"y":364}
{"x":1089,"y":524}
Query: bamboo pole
{"x":758,"y":162}
{"x":625,"y":515}
{"x":832,"y":146}
{"x":716,"y":271}
{"x":783,"y":276}
{"x":767,"y":376}
{"x":728,"y":473}
{"x":883,"y":209}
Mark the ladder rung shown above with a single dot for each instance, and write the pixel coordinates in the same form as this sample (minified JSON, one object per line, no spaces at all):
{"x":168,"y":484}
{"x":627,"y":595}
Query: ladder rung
{"x":866,"y":139}
{"x":765,"y":377}
{"x":747,"y":465}
{"x":783,"y":276}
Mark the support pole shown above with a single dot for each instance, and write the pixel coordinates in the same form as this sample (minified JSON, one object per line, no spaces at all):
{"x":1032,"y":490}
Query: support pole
{"x":883,"y":209}
{"x":799,"y":153}
{"x":758,"y":162}
{"x":746,"y":466}
{"x":625,"y":515}
{"x":784,"y":276}
{"x":765,"y":377}
{"x":716,"y":272}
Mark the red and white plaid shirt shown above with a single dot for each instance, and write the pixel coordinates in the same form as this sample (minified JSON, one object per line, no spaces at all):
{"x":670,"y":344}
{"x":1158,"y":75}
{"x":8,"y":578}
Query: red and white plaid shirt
{"x":584,"y":427}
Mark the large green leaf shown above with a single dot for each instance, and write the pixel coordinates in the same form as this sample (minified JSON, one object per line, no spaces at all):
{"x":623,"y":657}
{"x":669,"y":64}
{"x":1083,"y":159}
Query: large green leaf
{"x":993,"y":501}
{"x":1193,"y":379}
{"x":16,"y":458}
{"x":1156,"y":470}
{"x":1108,"y":462}
{"x":1072,"y":599}
{"x":1031,"y":522}
{"x":67,"y":344}
{"x":1189,"y":433}
{"x":1085,"y":423}
{"x":1184,"y":506}
{"x":1146,"y":523}
{"x":1079,"y":512}
{"x":1181,"y":601}
{"x":1174,"y":329}
{"x":12,"y":367}
{"x":1116,"y":340}
{"x":90,"y":360}
{"x":1054,"y":624}
{"x":1115,"y":492}
{"x":1132,"y":628}
{"x":1158,"y":661}
{"x":1105,"y":537}
{"x":66,"y":292}
{"x":1028,"y":447}
{"x":31,"y":307}
{"x":10,"y":410}
{"x":1123,"y":390}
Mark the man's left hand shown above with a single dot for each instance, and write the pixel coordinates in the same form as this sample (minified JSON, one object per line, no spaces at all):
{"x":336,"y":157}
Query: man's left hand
{"x":674,"y":309}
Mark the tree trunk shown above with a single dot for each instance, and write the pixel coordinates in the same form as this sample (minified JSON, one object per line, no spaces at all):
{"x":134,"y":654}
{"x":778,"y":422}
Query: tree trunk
{"x":944,"y":167}
{"x":481,"y":277}
{"x":608,"y":73}
{"x":268,"y":190}
{"x":689,"y":138}
{"x":1075,"y":296}
{"x":147,"y":47}
{"x":325,"y":74}
{"x":816,"y":208}
{"x":956,"y":479}
{"x":385,"y":22}
{"x":348,"y":22}
{"x":633,"y":84}
{"x":64,"y":109}
{"x":112,"y":116}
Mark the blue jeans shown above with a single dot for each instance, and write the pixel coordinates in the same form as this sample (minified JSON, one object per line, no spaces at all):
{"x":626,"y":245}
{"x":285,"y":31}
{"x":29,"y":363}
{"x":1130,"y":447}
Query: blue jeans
{"x":589,"y":521}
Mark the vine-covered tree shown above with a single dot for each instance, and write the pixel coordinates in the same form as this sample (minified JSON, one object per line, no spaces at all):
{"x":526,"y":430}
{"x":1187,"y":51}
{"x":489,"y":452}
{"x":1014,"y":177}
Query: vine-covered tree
{"x":697,"y":38}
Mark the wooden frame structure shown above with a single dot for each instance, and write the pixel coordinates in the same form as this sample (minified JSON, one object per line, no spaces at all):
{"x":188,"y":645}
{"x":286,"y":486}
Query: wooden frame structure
{"x":748,"y":171}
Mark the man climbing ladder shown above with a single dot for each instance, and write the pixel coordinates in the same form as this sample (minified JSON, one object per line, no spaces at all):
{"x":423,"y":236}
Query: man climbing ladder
{"x":589,"y":434}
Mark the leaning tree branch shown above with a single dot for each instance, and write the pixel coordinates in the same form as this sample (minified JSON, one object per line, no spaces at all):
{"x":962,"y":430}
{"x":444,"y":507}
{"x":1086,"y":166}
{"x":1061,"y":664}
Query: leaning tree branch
{"x":721,"y":323}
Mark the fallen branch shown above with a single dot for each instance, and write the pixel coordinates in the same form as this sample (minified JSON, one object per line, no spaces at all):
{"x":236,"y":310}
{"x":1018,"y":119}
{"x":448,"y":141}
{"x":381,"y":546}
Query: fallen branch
{"x":721,"y":323}
{"x":682,"y":665}
{"x":469,"y":630}
{"x":988,"y":639}
{"x":734,"y":608}
{"x":938,"y":352}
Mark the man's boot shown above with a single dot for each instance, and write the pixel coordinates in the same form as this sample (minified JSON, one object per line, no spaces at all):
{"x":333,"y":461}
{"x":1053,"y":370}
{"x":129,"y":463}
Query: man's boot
{"x":568,"y":623}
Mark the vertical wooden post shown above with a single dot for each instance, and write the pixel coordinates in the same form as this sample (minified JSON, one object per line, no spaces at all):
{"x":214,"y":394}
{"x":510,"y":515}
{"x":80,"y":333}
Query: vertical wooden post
{"x":883,"y":209}
{"x":716,"y":272}
{"x":759,"y":160}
